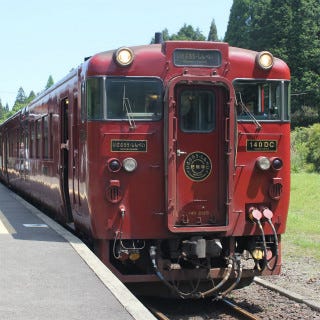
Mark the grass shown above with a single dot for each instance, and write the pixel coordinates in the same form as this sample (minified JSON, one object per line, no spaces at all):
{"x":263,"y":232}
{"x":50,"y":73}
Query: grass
{"x":302,"y":236}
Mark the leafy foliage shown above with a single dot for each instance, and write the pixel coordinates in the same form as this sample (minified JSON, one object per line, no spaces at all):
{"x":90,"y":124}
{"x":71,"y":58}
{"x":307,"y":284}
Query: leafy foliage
{"x":187,"y":32}
{"x":21,"y":101}
{"x":213,"y":34}
{"x":305,"y":149}
{"x":50,"y":82}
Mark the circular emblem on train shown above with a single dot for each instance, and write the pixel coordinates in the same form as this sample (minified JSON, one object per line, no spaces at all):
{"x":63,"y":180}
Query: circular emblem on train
{"x":197,"y":166}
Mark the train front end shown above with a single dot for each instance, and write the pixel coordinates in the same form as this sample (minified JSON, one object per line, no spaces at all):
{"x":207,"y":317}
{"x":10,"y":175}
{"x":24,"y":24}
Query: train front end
{"x":170,"y":204}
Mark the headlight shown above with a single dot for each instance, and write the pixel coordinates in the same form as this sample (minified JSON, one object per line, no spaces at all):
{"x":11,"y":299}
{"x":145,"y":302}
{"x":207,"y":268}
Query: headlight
{"x":265,"y":60}
{"x":129,"y":164}
{"x":124,"y":57}
{"x":263,"y":163}
{"x":114,"y":165}
{"x":276,"y":163}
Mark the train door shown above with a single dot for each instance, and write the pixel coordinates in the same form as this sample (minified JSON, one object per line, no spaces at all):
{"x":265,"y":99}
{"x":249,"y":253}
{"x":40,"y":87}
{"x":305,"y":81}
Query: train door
{"x":5,"y":155}
{"x":197,"y":179}
{"x":64,"y":157}
{"x":75,"y":201}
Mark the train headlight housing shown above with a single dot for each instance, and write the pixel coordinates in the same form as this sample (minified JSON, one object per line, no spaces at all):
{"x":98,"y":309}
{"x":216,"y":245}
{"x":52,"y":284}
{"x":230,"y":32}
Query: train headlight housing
{"x":129,"y":164}
{"x":263,"y":163}
{"x":124,"y":56}
{"x":114,"y":165}
{"x":265,"y":60}
{"x":276,"y":163}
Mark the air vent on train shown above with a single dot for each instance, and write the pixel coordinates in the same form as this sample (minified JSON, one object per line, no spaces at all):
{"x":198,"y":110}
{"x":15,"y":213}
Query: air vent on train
{"x":113,"y":192}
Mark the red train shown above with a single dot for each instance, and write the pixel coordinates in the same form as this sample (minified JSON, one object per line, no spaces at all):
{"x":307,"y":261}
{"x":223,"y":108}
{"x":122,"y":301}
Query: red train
{"x":172,"y":158}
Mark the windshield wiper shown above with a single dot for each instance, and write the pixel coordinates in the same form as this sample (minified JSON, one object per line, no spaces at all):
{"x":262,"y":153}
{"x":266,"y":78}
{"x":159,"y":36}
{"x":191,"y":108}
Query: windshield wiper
{"x":247,"y":111}
{"x":126,"y":106}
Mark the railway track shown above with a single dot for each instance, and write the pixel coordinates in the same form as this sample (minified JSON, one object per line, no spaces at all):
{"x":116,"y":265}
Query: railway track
{"x":201,"y":309}
{"x":239,"y":311}
{"x":254,"y":302}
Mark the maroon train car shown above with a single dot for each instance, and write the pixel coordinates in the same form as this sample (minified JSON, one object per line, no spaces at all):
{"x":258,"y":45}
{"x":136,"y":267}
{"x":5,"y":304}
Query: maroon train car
{"x":172,"y":158}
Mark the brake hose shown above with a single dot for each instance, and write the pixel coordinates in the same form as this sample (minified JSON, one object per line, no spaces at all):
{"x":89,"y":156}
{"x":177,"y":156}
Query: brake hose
{"x":268,"y":215}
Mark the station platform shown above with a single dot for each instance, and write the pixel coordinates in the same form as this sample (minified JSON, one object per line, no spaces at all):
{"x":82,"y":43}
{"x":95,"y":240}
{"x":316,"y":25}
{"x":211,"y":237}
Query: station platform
{"x":48,"y":273}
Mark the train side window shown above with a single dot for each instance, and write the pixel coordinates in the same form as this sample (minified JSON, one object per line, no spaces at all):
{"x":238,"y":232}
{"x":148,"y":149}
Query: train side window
{"x":38,"y":137}
{"x":94,"y":101}
{"x":32,"y":139}
{"x":83,"y":101}
{"x":17,"y":142}
{"x":45,"y":137}
{"x":11,"y":143}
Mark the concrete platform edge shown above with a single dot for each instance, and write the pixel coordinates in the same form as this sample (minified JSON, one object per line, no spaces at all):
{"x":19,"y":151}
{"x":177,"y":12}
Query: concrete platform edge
{"x":118,"y":289}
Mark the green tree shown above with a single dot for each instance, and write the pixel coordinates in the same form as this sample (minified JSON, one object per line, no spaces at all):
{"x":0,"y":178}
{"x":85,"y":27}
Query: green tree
{"x":2,"y":111}
{"x":31,"y":96}
{"x":240,"y":19}
{"x":21,"y":96}
{"x":187,"y":32}
{"x":313,"y":145}
{"x":304,"y":54}
{"x":20,"y":100}
{"x":50,"y":82}
{"x":213,"y":34}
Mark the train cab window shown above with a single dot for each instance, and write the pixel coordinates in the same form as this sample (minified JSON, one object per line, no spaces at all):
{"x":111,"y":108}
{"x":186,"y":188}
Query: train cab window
{"x":197,"y":110}
{"x":124,"y":98}
{"x":264,"y":100}
{"x":134,"y":98}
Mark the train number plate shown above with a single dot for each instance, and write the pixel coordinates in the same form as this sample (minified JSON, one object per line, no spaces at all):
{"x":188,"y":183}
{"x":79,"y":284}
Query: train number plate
{"x":129,"y":145}
{"x":262,"y":145}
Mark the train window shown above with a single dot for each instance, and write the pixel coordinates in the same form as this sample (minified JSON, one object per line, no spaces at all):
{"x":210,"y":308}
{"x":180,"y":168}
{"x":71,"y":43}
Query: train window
{"x":32,"y":139}
{"x":197,"y":110}
{"x":119,"y":98}
{"x":45,"y":137}
{"x":264,"y":100}
{"x":83,"y":99}
{"x":134,"y":98}
{"x":38,"y":137}
{"x":17,"y":142}
{"x":95,"y":106}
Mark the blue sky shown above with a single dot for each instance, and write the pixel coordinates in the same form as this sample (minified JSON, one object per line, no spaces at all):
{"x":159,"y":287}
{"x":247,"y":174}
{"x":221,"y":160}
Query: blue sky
{"x":41,"y":38}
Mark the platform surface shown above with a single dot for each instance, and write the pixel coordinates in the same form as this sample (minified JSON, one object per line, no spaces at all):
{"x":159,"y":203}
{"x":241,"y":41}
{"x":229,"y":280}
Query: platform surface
{"x":47,"y":273}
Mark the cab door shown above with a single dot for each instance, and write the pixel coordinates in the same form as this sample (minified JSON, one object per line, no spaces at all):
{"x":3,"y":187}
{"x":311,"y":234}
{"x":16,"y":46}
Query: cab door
{"x":197,"y":168}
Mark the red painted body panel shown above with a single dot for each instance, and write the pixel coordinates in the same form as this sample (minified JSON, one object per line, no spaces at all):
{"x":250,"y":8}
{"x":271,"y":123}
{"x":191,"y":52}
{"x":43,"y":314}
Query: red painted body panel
{"x":145,"y":212}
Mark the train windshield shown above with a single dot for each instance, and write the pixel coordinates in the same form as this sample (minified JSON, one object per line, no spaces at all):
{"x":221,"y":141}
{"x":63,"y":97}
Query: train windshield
{"x":262,"y":100}
{"x":124,"y":98}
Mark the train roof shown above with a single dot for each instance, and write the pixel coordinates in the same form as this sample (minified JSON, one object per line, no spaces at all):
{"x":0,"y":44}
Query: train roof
{"x":154,"y":59}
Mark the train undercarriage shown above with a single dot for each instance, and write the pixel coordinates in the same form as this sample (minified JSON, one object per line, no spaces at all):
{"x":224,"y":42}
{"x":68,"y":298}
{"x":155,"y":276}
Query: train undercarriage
{"x":191,"y":267}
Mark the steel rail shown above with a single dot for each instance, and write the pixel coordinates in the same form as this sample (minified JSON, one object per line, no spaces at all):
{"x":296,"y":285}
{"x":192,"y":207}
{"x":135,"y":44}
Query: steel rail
{"x":239,"y":310}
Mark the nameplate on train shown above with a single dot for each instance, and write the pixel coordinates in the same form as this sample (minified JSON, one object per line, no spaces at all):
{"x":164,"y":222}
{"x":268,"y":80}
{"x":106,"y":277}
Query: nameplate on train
{"x":262,"y":145}
{"x":196,"y":58}
{"x":129,"y":145}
